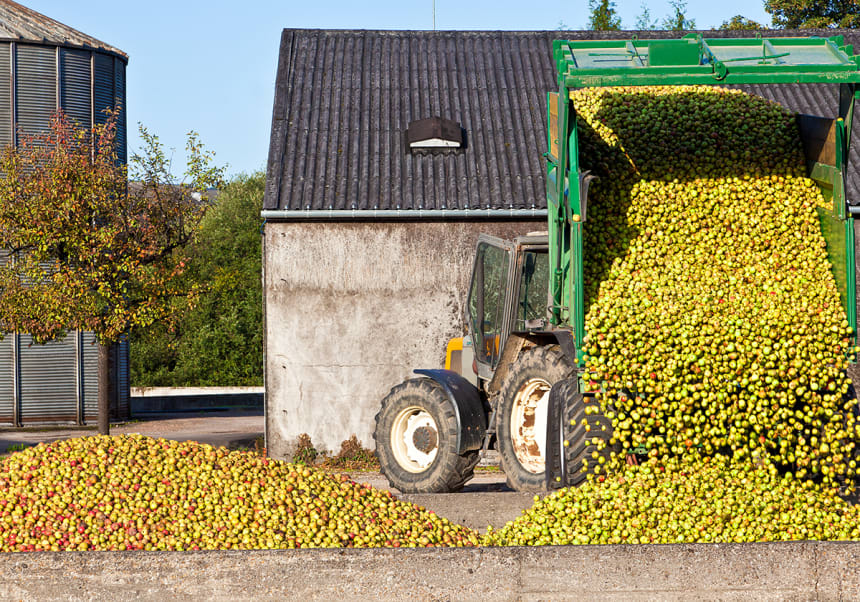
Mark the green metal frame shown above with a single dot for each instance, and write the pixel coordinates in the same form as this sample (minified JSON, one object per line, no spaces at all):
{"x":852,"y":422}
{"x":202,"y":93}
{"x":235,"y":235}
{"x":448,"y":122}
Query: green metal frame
{"x":690,"y":60}
{"x":837,"y":224}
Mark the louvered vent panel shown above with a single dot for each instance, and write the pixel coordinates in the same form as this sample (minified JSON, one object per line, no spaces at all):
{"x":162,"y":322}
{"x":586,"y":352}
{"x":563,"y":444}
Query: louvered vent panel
{"x":120,"y":408}
{"x":75,"y":85}
{"x":5,"y":95}
{"x":91,"y":377}
{"x":103,"y":93}
{"x":7,"y":379}
{"x":36,"y":85}
{"x":48,"y":380}
{"x":121,"y":127}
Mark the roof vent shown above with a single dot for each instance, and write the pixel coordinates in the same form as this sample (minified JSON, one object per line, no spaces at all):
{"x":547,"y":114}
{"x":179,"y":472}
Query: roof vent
{"x":434,"y":133}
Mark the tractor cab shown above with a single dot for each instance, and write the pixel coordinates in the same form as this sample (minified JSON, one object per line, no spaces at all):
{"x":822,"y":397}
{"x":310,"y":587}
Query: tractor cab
{"x":508,"y":293}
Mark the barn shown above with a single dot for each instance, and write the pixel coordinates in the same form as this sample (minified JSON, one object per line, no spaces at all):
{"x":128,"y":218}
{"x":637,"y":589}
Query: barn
{"x":390,"y":152}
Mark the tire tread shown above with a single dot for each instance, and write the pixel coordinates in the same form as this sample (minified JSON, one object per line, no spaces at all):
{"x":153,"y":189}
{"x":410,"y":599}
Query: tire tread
{"x":548,"y":360}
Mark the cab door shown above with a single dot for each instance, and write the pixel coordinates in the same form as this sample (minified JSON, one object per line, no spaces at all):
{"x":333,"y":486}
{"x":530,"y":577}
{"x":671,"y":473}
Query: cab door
{"x":488,"y":309}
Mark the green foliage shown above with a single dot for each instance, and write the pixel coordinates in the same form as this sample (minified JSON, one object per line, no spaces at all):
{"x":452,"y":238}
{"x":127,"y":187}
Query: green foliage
{"x":739,"y":22}
{"x":678,"y":21}
{"x":643,"y":19}
{"x":86,"y":251}
{"x":218,"y":342}
{"x":603,"y":17}
{"x":811,"y":14}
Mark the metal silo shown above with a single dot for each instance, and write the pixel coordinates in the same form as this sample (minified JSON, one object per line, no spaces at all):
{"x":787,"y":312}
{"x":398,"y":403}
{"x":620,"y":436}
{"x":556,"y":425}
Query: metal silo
{"x":46,"y":66}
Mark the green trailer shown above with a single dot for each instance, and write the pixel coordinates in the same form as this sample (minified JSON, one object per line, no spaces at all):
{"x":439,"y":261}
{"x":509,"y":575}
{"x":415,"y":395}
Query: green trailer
{"x":525,"y":312}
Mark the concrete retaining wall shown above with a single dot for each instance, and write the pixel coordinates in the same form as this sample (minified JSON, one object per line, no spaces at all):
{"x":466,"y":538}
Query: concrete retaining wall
{"x":157,"y":400}
{"x":776,"y":571}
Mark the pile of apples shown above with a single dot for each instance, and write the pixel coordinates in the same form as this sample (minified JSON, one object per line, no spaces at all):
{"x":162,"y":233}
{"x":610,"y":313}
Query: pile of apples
{"x":713,"y":317}
{"x":685,"y":499}
{"x":132,"y":492}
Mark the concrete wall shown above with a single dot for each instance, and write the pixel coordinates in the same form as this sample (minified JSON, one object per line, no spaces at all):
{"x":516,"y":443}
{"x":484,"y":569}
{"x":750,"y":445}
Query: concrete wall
{"x":156,"y":400}
{"x":775,"y":571}
{"x":351,"y":310}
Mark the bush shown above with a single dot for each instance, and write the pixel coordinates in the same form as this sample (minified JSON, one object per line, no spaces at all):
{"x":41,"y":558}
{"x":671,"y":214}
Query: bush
{"x":352,"y":456}
{"x":305,"y":453}
{"x":220,"y":341}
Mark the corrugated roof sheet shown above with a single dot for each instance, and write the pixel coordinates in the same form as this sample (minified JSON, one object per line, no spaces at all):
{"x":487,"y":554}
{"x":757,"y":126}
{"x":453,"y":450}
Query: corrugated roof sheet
{"x":344,"y":99}
{"x":18,"y":22}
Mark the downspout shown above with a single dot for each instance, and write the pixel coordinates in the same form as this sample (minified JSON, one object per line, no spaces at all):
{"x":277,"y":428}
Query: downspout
{"x":265,"y":339}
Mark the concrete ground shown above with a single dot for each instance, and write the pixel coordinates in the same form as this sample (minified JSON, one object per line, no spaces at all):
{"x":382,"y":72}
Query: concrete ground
{"x":485,"y":500}
{"x":228,"y":428}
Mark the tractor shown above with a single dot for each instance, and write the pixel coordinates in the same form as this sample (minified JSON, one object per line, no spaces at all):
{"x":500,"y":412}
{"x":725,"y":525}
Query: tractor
{"x":513,"y":383}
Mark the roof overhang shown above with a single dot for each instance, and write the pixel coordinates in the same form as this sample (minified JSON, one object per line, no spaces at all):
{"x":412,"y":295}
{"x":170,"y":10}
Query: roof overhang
{"x":400,"y":214}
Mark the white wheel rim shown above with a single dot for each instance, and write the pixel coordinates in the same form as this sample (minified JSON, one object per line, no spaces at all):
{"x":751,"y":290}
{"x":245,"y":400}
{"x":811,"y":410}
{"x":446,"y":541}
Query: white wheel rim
{"x":411,"y":423}
{"x":528,"y":424}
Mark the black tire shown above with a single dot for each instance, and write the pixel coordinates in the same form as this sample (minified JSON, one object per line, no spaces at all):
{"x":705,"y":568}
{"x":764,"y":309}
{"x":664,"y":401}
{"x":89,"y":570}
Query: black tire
{"x":446,"y":471}
{"x":521,"y":460}
{"x":848,"y":483}
{"x":587,"y":437}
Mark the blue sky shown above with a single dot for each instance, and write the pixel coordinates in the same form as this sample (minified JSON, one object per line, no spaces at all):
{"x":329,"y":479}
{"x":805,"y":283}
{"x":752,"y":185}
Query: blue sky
{"x":210,"y":66}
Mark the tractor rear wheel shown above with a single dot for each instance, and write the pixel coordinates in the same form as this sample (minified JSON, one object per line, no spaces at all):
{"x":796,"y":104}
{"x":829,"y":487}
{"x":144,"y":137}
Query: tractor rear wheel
{"x":587,"y":435}
{"x":522,"y":415}
{"x":416,"y":440}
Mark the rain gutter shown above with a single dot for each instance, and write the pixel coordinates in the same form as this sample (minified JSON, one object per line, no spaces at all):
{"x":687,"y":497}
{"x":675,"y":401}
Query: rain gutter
{"x":406,"y":214}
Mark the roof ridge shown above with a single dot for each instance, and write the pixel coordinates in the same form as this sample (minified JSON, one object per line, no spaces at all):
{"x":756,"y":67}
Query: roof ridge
{"x":22,"y":23}
{"x":519,"y":33}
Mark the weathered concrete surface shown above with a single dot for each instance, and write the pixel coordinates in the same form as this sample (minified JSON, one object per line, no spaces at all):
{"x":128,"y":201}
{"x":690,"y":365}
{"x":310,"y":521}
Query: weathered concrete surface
{"x":476,"y":510}
{"x":776,"y":571}
{"x":351,"y":310}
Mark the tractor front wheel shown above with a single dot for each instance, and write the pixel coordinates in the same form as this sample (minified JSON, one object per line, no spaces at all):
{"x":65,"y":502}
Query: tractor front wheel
{"x":416,"y":440}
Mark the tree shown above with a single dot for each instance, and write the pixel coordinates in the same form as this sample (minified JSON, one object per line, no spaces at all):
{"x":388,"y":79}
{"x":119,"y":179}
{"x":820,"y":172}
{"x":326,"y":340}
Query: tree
{"x":678,"y":21}
{"x":604,"y":17}
{"x":86,"y":251}
{"x":740,"y":22}
{"x":220,"y":340}
{"x":807,"y":14}
{"x":643,"y":19}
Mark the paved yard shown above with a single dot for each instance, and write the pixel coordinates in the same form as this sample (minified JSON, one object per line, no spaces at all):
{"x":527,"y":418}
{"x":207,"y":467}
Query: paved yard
{"x":216,"y":428}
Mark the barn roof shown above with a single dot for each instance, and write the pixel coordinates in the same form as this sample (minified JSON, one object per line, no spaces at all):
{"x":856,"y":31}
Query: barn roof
{"x":19,"y":23}
{"x":344,"y":100}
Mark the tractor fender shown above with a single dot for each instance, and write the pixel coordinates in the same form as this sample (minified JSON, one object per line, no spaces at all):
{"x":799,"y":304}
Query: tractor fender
{"x":518,"y":340}
{"x":466,"y":399}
